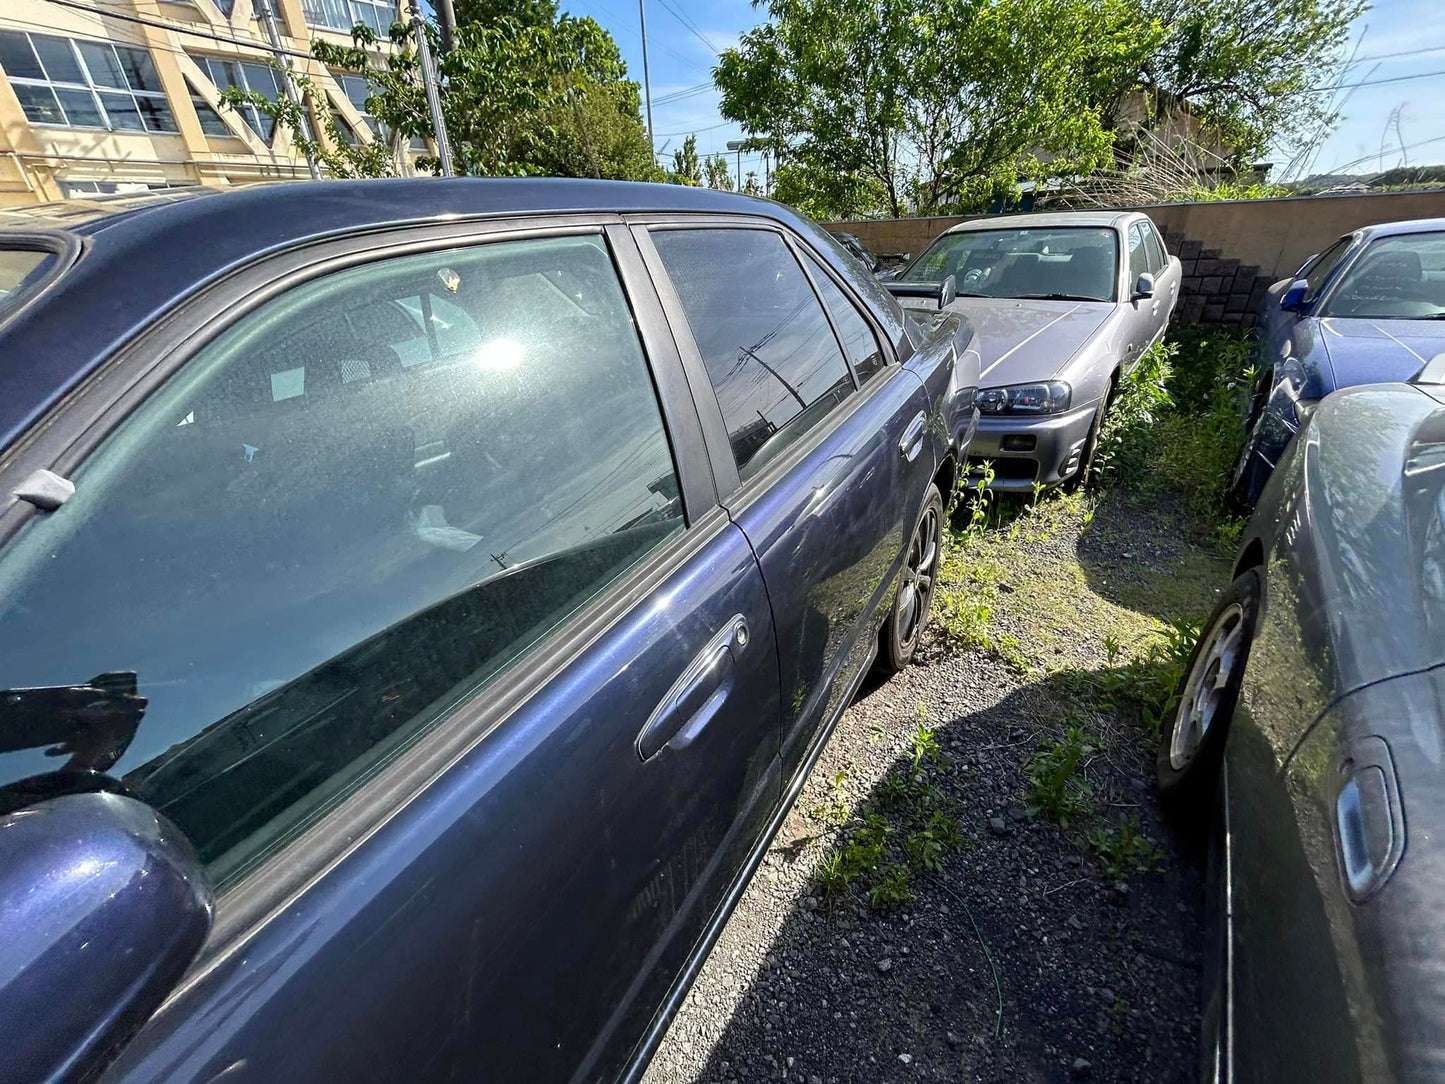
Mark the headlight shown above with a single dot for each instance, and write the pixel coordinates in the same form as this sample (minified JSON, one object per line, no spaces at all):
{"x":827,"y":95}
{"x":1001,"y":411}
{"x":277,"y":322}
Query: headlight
{"x":1047,"y":398}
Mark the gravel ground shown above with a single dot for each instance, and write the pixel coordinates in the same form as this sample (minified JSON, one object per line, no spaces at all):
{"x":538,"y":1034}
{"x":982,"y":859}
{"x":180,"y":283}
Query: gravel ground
{"x":1018,"y":960}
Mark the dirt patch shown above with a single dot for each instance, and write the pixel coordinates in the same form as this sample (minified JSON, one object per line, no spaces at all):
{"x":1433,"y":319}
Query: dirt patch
{"x":1017,"y":949}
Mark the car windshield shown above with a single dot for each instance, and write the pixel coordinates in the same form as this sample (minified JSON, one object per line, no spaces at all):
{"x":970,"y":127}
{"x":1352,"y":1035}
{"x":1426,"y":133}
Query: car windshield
{"x":1065,"y":263}
{"x":1397,"y":278}
{"x":19,"y":270}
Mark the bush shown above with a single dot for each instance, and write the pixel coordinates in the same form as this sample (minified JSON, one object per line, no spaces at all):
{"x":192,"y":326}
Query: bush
{"x":1139,"y":400}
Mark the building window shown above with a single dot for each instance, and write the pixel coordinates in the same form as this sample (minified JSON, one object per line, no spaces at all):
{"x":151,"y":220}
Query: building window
{"x":260,"y":78}
{"x":85,"y":84}
{"x":344,"y":14}
{"x":357,"y":91}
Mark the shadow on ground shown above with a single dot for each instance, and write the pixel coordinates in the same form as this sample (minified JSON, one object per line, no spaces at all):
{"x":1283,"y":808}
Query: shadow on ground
{"x":1018,"y":958}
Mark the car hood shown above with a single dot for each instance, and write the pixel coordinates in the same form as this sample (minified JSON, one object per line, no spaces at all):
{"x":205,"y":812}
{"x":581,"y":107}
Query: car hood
{"x":1363,"y":351}
{"x":1023,"y":341}
{"x":1374,"y":472}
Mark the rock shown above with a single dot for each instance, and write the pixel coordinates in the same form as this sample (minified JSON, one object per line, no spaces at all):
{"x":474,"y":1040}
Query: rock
{"x":1076,"y":922}
{"x":953,"y":1039}
{"x":998,"y":826}
{"x":814,"y":1078}
{"x":1082,"y":1066}
{"x":1107,"y":996}
{"x":906,"y":1059}
{"x":885,"y":964}
{"x":1017,"y":813}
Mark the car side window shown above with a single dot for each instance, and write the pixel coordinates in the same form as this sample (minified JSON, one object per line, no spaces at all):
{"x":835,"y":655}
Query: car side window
{"x":859,"y":342}
{"x":1158,"y":258}
{"x":769,"y":353}
{"x":338,"y":521}
{"x":1318,"y":270}
{"x":1138,"y":254}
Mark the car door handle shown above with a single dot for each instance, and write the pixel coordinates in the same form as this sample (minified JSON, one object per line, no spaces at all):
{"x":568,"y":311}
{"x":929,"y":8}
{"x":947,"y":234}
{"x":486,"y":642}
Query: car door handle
{"x":912,"y":441}
{"x":697,"y":694}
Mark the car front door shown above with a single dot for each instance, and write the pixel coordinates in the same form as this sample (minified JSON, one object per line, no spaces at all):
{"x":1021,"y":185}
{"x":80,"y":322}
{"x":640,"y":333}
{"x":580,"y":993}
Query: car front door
{"x":820,"y":454}
{"x":460,"y":681}
{"x":1144,"y":312}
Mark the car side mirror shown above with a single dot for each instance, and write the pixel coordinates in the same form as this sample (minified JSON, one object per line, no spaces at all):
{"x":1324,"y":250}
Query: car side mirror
{"x":103,"y":911}
{"x":943,"y":292}
{"x":1293,"y":298}
{"x":1144,"y":287}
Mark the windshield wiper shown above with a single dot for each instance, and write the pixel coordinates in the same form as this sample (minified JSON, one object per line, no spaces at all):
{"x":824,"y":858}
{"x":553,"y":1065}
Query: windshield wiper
{"x":1057,"y":297}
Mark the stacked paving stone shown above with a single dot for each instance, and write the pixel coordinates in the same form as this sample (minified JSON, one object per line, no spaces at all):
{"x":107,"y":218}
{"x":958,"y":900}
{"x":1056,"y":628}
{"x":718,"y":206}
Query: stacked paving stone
{"x":1216,"y":290}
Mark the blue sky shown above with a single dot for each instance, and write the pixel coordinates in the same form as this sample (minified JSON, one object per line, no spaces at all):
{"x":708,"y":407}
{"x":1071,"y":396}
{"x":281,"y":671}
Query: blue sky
{"x":681,"y":62}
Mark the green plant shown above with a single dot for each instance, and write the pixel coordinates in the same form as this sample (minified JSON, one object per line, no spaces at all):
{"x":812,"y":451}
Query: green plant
{"x":1152,"y":678}
{"x":835,"y":810}
{"x":1123,"y":849}
{"x":890,"y":888}
{"x":1055,"y":787}
{"x":976,"y":496}
{"x":1140,"y":398}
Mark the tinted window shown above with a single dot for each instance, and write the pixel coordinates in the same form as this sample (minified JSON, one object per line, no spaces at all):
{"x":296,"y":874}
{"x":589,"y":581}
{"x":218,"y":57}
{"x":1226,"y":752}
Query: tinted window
{"x":19,"y":270}
{"x":1158,"y":258}
{"x":1397,"y":278}
{"x":768,"y":349}
{"x":339,"y":520}
{"x":1138,"y":254}
{"x":859,"y":342}
{"x":1069,"y":261}
{"x":1317,"y":270}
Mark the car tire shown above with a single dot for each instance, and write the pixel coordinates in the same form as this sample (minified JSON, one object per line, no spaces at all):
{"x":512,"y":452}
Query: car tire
{"x":917,"y":582}
{"x":1191,"y":745}
{"x":1085,"y":473}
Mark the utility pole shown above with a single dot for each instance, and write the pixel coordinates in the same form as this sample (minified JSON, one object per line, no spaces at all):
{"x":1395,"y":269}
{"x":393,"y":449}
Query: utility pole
{"x":288,"y":84}
{"x":446,"y":23}
{"x":737,"y":145}
{"x":646,"y":77}
{"x":433,"y":96}
{"x":767,"y":174}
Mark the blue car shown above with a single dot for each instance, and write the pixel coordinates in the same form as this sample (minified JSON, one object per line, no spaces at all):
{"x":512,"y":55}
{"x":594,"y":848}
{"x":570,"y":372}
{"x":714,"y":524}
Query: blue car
{"x":420,"y":603}
{"x":1369,"y":309}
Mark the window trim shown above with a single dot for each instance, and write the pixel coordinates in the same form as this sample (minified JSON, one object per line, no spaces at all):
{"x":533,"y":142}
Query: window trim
{"x":71,"y":431}
{"x":96,"y":90}
{"x":67,"y":248}
{"x":1158,"y":254}
{"x":732,"y":491}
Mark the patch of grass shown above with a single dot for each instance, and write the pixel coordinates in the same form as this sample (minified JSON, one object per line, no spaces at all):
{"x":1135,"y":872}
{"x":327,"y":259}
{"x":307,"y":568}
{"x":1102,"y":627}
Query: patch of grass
{"x":908,"y":833}
{"x":1142,"y":397}
{"x":1123,"y":850}
{"x":1056,"y":787}
{"x":1152,"y":678}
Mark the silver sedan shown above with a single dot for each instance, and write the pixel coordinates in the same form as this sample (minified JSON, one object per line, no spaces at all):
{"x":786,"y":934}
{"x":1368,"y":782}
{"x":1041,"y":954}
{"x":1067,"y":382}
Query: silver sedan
{"x":1062,"y":306}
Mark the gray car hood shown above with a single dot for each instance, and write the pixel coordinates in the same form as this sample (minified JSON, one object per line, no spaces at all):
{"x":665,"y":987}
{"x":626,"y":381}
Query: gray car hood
{"x":1024,"y":341}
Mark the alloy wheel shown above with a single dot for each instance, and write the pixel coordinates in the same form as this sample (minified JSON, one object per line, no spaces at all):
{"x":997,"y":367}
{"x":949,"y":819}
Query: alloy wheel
{"x":1213,"y":668}
{"x":919,"y":572}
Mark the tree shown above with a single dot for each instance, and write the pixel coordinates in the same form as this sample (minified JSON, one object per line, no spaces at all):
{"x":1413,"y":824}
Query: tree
{"x":925,"y":105}
{"x":526,"y":12}
{"x":520,"y":96}
{"x":751,"y":185}
{"x":686,"y":169}
{"x":1249,"y":71}
{"x":718,"y":173}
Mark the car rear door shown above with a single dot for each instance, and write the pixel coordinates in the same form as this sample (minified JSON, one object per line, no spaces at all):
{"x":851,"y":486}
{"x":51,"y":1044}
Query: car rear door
{"x":460,"y":681}
{"x":820,"y":452}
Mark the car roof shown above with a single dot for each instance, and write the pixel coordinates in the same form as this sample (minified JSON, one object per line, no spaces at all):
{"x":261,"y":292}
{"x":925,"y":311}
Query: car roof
{"x":141,"y":255}
{"x":1413,"y":225}
{"x":1047,"y":219}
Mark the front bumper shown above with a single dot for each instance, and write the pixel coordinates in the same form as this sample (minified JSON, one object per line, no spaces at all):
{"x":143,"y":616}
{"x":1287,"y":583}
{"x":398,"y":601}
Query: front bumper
{"x":1056,"y":455}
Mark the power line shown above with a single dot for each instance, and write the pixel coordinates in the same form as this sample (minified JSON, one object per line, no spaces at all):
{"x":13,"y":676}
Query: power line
{"x":689,"y":26}
{"x":686,"y":92}
{"x":1338,"y":86}
{"x":1405,"y":52}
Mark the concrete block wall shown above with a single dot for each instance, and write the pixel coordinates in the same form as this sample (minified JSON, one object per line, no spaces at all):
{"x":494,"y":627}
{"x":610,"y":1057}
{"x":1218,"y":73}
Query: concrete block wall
{"x":1217,"y":289}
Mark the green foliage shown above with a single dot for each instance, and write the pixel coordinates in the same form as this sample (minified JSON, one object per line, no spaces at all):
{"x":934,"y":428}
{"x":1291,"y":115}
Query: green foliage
{"x":1152,"y":678}
{"x":1195,"y":447}
{"x":522,"y":93}
{"x":1055,"y":787}
{"x":686,"y":168}
{"x":718,"y":174}
{"x":340,"y":154}
{"x":925,"y":105}
{"x":909,"y":833}
{"x":1142,"y":395}
{"x":1225,"y":190}
{"x":1123,"y":850}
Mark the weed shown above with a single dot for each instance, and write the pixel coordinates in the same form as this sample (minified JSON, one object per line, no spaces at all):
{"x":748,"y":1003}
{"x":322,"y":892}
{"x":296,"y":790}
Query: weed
{"x":1123,"y":850}
{"x":1140,"y":398}
{"x":834,"y":811}
{"x":1055,"y":788}
{"x":890,"y":888}
{"x":1151,"y":679}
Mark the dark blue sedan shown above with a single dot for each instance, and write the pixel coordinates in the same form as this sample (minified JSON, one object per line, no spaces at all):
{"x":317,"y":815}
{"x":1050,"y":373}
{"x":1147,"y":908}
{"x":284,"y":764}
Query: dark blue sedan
{"x":420,"y":602}
{"x":1369,"y":309}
